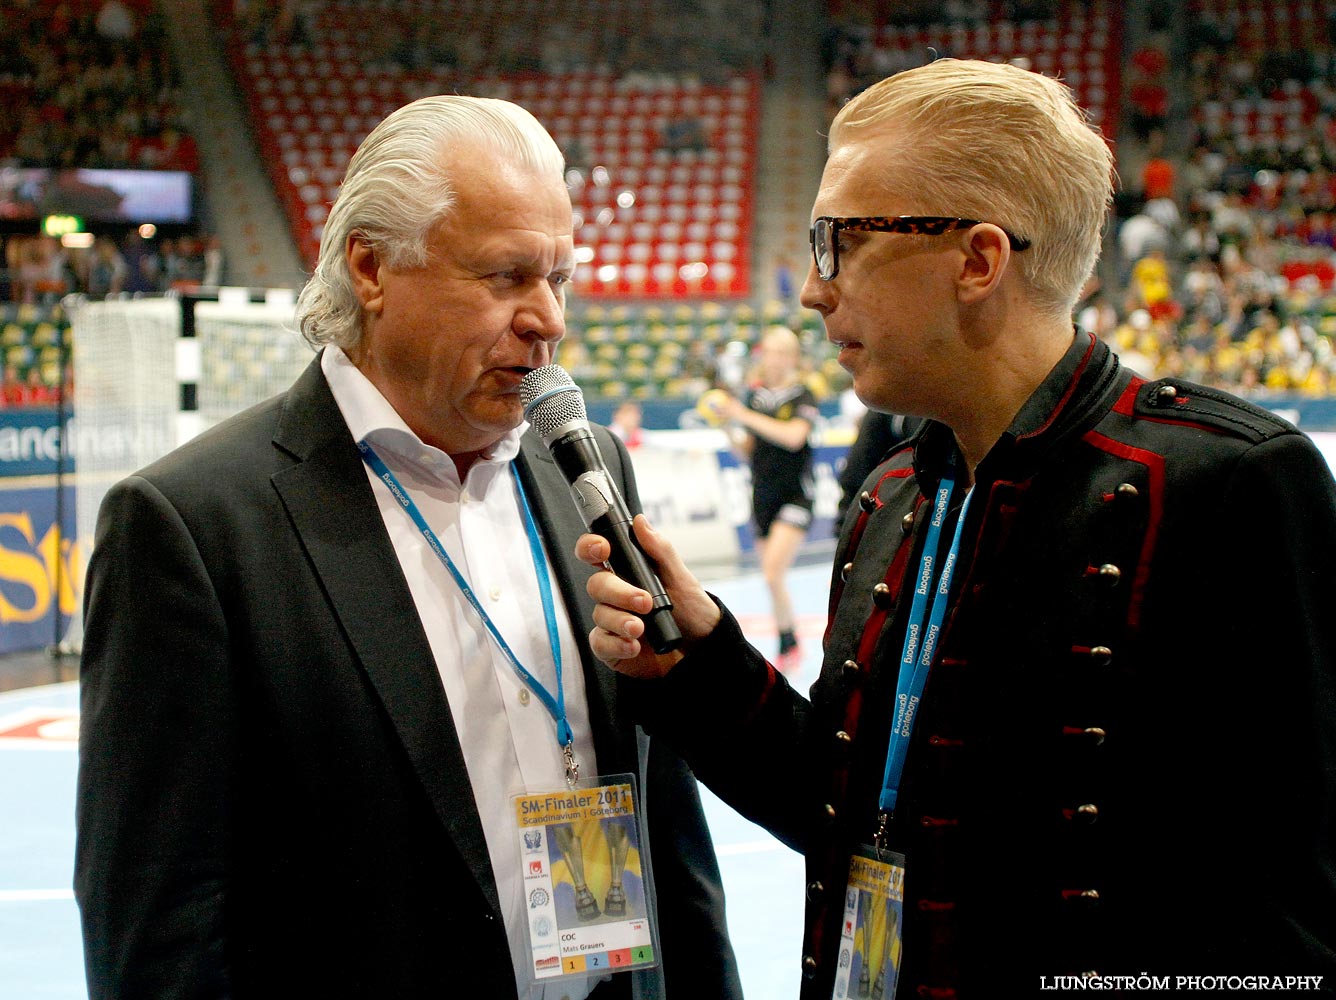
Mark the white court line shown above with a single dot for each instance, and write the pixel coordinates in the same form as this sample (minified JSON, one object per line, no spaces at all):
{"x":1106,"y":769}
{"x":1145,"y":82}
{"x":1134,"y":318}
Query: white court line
{"x":748,"y":847}
{"x":34,"y":895}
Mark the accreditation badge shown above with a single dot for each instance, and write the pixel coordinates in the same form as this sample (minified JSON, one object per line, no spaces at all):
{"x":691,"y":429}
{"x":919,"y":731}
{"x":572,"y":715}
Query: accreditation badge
{"x":587,"y":879}
{"x":869,"y":962}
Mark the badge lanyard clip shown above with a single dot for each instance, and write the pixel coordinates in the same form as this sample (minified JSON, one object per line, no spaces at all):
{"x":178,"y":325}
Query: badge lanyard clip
{"x":556,"y":706}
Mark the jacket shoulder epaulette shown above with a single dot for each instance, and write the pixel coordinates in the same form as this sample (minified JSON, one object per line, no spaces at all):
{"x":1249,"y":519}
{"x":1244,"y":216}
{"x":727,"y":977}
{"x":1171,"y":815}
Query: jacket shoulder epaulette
{"x":1175,"y":400}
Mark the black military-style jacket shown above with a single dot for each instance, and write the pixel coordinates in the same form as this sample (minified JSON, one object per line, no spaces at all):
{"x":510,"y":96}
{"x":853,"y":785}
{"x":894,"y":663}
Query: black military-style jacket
{"x":1125,"y":758}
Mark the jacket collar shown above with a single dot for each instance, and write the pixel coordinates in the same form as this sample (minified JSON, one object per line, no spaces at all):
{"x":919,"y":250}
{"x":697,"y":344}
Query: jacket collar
{"x":1079,"y":387}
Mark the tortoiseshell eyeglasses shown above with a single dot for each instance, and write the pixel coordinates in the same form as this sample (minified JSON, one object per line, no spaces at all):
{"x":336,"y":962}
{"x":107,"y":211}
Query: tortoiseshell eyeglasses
{"x":825,"y":234}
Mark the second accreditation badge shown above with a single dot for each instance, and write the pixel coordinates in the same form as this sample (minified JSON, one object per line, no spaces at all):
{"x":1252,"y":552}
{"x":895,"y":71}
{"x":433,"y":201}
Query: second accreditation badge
{"x":586,"y":879}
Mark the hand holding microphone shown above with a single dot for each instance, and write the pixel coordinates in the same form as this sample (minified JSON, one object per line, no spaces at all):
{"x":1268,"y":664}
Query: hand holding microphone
{"x":555,"y":407}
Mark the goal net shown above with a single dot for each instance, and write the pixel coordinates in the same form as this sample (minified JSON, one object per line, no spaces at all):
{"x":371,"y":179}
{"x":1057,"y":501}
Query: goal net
{"x":149,"y":374}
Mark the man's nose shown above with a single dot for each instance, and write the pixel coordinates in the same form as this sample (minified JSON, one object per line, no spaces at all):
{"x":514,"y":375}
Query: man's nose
{"x":815,"y":293}
{"x":543,"y":314}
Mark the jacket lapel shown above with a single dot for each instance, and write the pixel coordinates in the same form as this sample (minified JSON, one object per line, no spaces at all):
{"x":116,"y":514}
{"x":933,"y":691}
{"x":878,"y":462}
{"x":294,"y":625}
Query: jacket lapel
{"x":333,"y":510}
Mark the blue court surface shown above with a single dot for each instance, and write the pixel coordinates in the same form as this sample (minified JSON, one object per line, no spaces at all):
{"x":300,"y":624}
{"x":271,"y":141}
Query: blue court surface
{"x":40,"y":951}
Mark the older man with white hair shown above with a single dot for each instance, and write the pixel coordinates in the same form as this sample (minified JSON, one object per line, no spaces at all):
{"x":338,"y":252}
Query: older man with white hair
{"x":325,"y":644}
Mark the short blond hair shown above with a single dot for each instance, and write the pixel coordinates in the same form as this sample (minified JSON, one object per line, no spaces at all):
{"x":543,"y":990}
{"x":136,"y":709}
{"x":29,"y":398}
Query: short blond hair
{"x":1001,"y":144}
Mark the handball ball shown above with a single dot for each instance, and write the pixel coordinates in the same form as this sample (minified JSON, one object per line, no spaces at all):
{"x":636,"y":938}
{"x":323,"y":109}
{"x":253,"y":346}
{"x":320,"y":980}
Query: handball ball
{"x":710,"y":406}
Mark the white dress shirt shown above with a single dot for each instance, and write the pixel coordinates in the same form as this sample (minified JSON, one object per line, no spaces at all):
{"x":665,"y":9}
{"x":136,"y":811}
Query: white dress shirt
{"x":508,"y":737}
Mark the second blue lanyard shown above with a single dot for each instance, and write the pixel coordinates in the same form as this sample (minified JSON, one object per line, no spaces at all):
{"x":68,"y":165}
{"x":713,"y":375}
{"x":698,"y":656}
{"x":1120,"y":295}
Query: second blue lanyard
{"x":927,"y":612}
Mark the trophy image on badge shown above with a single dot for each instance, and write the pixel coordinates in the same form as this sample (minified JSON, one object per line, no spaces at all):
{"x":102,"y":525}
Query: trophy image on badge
{"x":879,"y":948}
{"x":571,"y":845}
{"x":619,"y":847}
{"x":583,"y":846}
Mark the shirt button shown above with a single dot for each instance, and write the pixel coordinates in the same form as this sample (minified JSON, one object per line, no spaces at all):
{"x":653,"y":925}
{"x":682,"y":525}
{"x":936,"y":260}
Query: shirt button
{"x":524,"y":696}
{"x":495,"y":593}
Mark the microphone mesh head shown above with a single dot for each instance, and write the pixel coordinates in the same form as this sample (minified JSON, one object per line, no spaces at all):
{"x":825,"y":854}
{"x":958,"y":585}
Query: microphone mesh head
{"x":551,"y":399}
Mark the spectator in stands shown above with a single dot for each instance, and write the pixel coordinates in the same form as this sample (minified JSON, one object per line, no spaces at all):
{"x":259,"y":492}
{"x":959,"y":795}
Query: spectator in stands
{"x":1232,"y":221}
{"x":626,"y":423}
{"x":1158,"y":173}
{"x":1138,"y":236}
{"x":107,"y":270}
{"x":115,"y":22}
{"x":282,"y":686}
{"x":968,"y":12}
{"x":43,"y":274}
{"x":168,"y":150}
{"x":1150,"y":280}
{"x":685,"y":133}
{"x":12,"y":391}
{"x":1073,"y":522}
{"x":1200,"y":241}
{"x":174,"y":269}
{"x":212,"y":274}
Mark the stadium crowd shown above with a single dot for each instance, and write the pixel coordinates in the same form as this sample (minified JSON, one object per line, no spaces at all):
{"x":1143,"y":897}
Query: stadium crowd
{"x":39,"y":270}
{"x":1225,"y":252}
{"x":95,"y":85}
{"x":1222,"y":250}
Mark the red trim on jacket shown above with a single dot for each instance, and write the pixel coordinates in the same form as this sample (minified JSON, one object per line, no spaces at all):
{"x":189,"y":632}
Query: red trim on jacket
{"x":1126,"y":404}
{"x":1154,"y":464}
{"x":1068,"y":392}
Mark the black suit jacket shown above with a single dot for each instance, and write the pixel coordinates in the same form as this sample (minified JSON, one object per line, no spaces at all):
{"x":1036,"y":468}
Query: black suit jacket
{"x":272,"y":798}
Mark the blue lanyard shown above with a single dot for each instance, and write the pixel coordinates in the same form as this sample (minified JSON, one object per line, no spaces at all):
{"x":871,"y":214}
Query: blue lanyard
{"x":926,"y":614}
{"x":556,"y":707}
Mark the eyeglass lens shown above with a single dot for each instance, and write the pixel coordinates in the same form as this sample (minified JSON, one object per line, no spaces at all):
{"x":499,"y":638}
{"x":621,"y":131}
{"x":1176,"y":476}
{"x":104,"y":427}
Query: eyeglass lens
{"x":823,"y":248}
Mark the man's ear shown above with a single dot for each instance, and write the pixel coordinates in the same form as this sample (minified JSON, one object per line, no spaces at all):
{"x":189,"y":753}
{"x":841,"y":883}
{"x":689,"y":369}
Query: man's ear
{"x":364,"y":267}
{"x":987,"y":257}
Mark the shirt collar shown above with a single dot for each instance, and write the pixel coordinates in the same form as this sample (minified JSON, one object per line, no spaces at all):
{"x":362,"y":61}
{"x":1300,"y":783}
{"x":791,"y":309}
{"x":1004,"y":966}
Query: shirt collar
{"x":370,"y":417}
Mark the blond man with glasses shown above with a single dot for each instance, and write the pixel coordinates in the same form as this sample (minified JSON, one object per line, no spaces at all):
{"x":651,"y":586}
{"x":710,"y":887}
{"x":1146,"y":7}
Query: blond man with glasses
{"x":1078,"y":697}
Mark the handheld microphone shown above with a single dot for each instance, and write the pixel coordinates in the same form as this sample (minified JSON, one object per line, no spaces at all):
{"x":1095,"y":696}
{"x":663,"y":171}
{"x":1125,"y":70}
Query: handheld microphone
{"x":555,"y":407}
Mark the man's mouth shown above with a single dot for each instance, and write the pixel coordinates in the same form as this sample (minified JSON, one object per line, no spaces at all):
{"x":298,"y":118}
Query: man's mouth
{"x":510,"y":376}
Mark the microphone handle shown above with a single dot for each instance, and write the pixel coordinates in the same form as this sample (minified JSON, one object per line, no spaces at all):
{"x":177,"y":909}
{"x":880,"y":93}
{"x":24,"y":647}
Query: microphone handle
{"x":630,"y":563}
{"x":576,"y":454}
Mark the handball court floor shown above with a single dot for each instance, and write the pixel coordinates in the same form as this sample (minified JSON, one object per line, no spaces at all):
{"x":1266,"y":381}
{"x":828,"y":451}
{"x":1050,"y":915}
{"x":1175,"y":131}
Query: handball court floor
{"x":40,"y":950}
